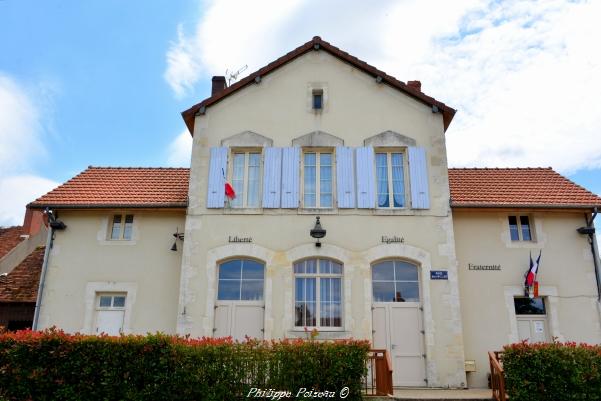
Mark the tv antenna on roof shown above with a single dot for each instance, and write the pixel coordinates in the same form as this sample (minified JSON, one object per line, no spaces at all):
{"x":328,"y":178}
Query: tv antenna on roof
{"x":232,"y":76}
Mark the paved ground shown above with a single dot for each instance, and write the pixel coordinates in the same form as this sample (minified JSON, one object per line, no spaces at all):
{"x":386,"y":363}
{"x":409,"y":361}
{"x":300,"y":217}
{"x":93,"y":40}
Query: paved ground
{"x":442,"y":394}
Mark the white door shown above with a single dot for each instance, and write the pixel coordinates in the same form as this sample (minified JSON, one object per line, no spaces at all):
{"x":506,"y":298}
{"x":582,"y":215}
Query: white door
{"x":397,"y":328}
{"x":397,"y":320}
{"x":109,"y":322}
{"x":239,"y":308}
{"x":239,"y":320}
{"x":533,"y":328}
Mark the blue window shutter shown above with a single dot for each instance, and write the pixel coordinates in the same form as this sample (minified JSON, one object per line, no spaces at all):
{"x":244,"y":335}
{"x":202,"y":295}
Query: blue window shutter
{"x":290,"y":177}
{"x":345,"y":177}
{"x":366,"y":182}
{"x":272,"y":177}
{"x":418,"y":176}
{"x":217,"y":169}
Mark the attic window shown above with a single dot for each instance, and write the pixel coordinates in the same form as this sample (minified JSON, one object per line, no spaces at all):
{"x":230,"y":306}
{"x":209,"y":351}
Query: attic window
{"x":317,"y":99}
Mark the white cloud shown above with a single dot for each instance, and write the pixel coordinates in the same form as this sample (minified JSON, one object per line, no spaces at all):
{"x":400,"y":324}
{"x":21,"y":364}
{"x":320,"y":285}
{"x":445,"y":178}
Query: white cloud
{"x":180,"y":150}
{"x":18,"y":191}
{"x":20,"y":146}
{"x":524,"y":76}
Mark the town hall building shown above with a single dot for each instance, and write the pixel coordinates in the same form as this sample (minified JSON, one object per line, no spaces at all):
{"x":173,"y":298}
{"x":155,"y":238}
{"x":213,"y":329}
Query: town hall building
{"x":346,"y":219}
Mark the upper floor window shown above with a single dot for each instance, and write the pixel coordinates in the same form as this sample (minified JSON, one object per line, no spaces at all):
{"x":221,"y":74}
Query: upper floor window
{"x":317,"y":99}
{"x":122,"y":227}
{"x":390,"y":179}
{"x":318,"y":293}
{"x":519,"y":228}
{"x":317,"y":179}
{"x":241,"y":280}
{"x":246,"y":170}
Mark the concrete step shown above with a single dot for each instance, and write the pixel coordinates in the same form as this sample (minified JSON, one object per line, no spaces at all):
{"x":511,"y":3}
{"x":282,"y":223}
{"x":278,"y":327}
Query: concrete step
{"x":436,"y":395}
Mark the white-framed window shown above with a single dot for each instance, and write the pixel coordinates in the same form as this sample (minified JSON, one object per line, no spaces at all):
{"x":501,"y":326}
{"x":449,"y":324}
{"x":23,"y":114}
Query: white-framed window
{"x":395,"y":281}
{"x":110,"y":313}
{"x":520,"y":228}
{"x":318,"y":294}
{"x":246,"y":178}
{"x":390,"y":179}
{"x":122,"y":227}
{"x":318,"y":186}
{"x":241,"y":280}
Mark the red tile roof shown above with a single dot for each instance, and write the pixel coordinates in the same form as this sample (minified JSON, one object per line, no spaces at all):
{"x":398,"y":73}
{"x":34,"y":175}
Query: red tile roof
{"x":103,"y":187}
{"x":98,"y":187}
{"x":319,"y":44}
{"x":10,"y":237}
{"x":516,"y":187}
{"x":21,"y":284}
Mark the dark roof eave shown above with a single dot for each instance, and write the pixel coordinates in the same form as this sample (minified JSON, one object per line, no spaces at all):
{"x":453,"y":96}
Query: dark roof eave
{"x":447,"y":112}
{"x":34,"y":205}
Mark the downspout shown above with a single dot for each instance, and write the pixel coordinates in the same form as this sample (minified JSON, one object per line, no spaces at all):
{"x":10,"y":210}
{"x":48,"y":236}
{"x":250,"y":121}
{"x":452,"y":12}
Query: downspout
{"x":595,"y":251}
{"x":36,"y":314}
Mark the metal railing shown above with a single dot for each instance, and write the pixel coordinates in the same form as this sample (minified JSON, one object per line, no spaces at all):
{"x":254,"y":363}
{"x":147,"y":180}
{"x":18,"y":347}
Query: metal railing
{"x":378,"y":380}
{"x":497,"y":376}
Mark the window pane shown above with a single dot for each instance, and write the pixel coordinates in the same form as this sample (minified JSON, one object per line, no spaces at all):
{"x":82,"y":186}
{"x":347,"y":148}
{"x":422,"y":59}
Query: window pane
{"x":513,"y":228}
{"x":252,"y":290}
{"x":398,"y":185}
{"x":119,"y":301}
{"x":325,"y":180}
{"x":325,"y":291}
{"x":311,"y":266}
{"x":310,"y":178}
{"x":299,"y":267}
{"x":407,"y":291}
{"x":299,"y":314}
{"x":317,"y":101}
{"x":330,"y":315}
{"x":383,"y":271}
{"x":299,"y":289}
{"x":253,"y":179}
{"x":252,"y":270}
{"x":336,"y":289}
{"x":382,"y":179}
{"x":324,"y":266}
{"x":228,"y":290}
{"x":405,"y":271}
{"x":311,"y":316}
{"x":383,"y":291}
{"x":529,"y":306}
{"x":525,"y":223}
{"x":127,"y":229}
{"x":105,"y":301}
{"x":336,"y":268}
{"x":238,"y":179}
{"x":231,"y":270}
{"x":310,"y":293}
{"x":116,"y":229}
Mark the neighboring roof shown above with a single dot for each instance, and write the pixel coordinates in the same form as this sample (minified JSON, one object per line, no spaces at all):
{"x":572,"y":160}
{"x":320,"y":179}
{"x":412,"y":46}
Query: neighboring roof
{"x":109,"y":187}
{"x":318,"y":44}
{"x":517,"y":187}
{"x":21,"y":284}
{"x":10,"y":237}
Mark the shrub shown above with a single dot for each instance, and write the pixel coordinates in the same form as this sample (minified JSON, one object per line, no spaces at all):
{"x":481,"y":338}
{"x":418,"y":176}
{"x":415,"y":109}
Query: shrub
{"x":52,"y":365}
{"x":552,"y":371}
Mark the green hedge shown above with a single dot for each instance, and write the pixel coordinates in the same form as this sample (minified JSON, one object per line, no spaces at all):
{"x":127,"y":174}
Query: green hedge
{"x":52,"y":365}
{"x":552,"y":371}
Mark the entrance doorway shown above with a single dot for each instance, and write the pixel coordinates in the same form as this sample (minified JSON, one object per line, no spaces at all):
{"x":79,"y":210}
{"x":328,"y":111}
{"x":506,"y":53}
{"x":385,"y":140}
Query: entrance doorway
{"x":531,"y":315}
{"x":397,"y":320}
{"x":240,"y":309}
{"x":110,"y":311}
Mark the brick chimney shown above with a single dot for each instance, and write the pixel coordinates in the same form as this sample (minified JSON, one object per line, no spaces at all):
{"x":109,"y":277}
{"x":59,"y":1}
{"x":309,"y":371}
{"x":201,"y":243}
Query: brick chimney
{"x":417,"y":85}
{"x":218,"y":84}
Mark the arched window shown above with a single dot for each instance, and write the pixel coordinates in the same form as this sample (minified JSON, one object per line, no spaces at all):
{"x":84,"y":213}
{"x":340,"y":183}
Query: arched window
{"x":395,"y":281}
{"x":241,"y":280}
{"x":318,"y":293}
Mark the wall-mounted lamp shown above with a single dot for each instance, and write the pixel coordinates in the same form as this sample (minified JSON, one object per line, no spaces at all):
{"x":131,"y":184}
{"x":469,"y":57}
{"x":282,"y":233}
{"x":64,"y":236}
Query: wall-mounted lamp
{"x":178,"y":236}
{"x":317,"y":232}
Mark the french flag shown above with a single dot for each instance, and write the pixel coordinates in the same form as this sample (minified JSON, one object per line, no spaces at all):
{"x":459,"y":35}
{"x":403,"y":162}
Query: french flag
{"x":531,"y":275}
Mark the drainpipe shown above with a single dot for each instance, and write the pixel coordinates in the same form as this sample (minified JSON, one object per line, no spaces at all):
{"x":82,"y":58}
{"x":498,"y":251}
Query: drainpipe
{"x":53,"y":224}
{"x":594,"y":249}
{"x":36,"y":315}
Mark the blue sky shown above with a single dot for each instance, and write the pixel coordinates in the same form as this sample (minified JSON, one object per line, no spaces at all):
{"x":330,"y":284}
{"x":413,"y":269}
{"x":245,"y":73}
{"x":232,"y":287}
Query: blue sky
{"x":103,"y":82}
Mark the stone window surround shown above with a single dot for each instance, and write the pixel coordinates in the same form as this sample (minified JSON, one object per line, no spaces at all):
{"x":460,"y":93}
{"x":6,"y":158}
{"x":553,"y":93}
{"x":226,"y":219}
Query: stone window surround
{"x":106,"y":223}
{"x":100,"y":287}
